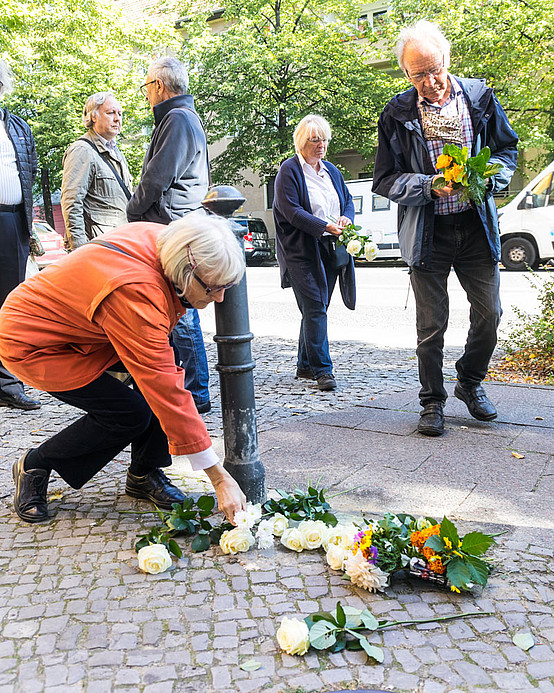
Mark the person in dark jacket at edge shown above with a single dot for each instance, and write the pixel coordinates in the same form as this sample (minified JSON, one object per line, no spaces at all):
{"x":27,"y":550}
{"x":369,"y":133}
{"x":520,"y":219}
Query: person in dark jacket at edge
{"x":436,"y":230}
{"x":174,"y":181}
{"x":18,"y":168}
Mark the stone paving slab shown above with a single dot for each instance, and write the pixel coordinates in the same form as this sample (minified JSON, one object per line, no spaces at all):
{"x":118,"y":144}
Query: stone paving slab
{"x":76,"y":615}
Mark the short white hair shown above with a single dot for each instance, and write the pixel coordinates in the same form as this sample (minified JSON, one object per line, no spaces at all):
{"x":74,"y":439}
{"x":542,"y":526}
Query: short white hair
{"x":6,"y":84}
{"x":423,"y":33}
{"x":92,"y":104}
{"x":205,"y":244}
{"x":172,"y":73}
{"x":310,"y":126}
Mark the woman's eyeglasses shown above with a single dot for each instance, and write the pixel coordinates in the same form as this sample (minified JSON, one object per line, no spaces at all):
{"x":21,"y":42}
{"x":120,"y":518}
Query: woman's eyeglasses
{"x":208,"y":289}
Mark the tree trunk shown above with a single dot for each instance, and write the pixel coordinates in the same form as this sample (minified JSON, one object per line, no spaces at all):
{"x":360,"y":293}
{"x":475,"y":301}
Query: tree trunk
{"x":46,"y":196}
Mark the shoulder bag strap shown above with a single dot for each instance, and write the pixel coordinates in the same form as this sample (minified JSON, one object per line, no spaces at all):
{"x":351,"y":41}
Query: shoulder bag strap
{"x":106,"y":159}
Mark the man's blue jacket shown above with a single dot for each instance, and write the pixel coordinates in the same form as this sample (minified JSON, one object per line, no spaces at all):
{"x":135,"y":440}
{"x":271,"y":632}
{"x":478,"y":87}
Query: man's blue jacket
{"x":404,"y":171}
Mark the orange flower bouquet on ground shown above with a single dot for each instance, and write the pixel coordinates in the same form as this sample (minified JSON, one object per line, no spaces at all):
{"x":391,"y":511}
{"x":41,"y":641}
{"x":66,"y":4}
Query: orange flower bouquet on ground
{"x":466,"y":173}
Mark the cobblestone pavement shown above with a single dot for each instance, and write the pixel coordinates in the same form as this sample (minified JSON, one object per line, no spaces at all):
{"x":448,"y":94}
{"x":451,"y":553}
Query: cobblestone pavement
{"x":76,"y":615}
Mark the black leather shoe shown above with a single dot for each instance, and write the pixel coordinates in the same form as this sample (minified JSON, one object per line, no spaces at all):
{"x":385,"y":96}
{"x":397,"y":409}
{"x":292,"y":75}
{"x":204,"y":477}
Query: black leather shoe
{"x":154,"y":487}
{"x":29,"y":499}
{"x":203,"y":407}
{"x":478,"y":404}
{"x":431,"y":419}
{"x":327,"y":382}
{"x":305,"y":373}
{"x":18,"y":401}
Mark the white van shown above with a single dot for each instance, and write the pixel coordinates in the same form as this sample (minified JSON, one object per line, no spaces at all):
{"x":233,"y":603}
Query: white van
{"x":527,"y":224}
{"x":376,"y":214}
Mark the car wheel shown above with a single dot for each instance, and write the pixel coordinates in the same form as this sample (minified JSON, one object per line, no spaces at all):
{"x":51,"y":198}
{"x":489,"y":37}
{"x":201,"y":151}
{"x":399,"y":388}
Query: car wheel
{"x":518,"y":254}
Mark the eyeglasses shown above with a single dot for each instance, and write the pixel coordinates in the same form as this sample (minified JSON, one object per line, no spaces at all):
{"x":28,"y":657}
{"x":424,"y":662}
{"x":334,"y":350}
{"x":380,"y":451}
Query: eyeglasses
{"x":317,"y":140}
{"x":421,"y":76}
{"x":143,"y":86}
{"x":208,"y":289}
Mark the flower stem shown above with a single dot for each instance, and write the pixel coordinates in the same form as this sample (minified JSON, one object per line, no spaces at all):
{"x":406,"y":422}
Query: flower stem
{"x":388,"y":624}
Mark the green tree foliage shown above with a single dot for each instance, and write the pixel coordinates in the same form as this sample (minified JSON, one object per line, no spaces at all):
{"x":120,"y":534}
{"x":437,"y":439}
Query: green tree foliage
{"x":510,"y":43}
{"x":61,"y":51}
{"x":277,"y":61}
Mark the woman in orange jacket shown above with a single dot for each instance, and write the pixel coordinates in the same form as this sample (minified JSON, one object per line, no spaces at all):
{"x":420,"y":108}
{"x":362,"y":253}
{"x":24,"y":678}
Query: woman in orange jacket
{"x":111,"y":305}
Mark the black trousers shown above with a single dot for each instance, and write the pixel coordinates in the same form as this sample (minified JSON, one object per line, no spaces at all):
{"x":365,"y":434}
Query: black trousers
{"x":14,"y":251}
{"x":117,"y":416}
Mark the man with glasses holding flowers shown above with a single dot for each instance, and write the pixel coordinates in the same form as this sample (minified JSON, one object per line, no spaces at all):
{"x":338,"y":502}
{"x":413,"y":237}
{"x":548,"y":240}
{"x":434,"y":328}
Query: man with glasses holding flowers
{"x":438,"y":228}
{"x":108,"y":307}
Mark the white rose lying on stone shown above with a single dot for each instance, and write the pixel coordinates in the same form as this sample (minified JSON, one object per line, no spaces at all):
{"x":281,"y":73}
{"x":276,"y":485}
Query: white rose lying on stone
{"x":280,"y":523}
{"x":335,"y":556}
{"x":293,"y":636}
{"x":313,"y":533}
{"x":236,"y":540}
{"x":154,"y":558}
{"x":341,"y":535}
{"x":292,"y":538}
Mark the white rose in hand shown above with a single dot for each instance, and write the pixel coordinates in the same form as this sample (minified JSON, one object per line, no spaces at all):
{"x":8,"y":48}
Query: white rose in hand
{"x":353,"y":247}
{"x":293,"y":636}
{"x":236,"y":540}
{"x":154,"y":558}
{"x":292,"y":538}
{"x":370,"y":251}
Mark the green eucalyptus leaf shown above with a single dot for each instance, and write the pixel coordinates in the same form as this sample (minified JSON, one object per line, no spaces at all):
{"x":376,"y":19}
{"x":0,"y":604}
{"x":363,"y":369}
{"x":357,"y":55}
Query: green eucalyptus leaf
{"x":372,"y":650}
{"x":369,"y":620}
{"x":201,"y":542}
{"x":250,"y":665}
{"x":353,"y":616}
{"x":330,"y":519}
{"x":524,"y":641}
{"x":323,"y":635}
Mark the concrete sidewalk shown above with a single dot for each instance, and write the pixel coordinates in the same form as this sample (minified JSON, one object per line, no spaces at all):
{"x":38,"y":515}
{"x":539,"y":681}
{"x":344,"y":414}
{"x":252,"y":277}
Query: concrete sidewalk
{"x":76,"y":615}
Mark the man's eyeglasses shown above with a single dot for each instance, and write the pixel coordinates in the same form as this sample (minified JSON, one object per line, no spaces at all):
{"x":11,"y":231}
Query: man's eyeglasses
{"x":143,"y":86}
{"x":420,"y":76}
{"x":317,"y":140}
{"x":208,"y":289}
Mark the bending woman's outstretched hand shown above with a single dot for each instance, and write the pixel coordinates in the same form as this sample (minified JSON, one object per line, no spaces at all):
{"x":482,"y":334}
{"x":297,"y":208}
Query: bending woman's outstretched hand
{"x":230,"y":498}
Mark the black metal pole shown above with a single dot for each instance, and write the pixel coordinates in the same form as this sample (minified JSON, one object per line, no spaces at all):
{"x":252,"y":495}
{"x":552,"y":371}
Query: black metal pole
{"x":235,"y":367}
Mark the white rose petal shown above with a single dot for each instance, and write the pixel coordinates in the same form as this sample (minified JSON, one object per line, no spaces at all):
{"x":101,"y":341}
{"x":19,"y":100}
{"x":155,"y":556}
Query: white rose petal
{"x":353,"y":247}
{"x":292,"y":538}
{"x":154,"y":558}
{"x":280,"y":523}
{"x":236,"y":540}
{"x":313,"y":533}
{"x":293,"y":636}
{"x":335,"y":556}
{"x":341,"y":535}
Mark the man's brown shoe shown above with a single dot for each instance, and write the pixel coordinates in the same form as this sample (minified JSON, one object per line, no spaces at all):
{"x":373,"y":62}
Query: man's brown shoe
{"x":29,"y":500}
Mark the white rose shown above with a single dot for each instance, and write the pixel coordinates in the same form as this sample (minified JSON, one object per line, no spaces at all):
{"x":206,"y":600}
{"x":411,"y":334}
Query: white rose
{"x":353,"y":247}
{"x":293,"y":636}
{"x":154,"y":558}
{"x":313,"y":533}
{"x":370,"y":251}
{"x":341,"y":535}
{"x":335,"y":556}
{"x":280,"y":523}
{"x":292,"y":539}
{"x":235,"y":540}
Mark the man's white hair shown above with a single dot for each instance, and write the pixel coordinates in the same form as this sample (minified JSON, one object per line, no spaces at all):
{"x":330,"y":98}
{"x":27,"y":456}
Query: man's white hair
{"x":171,"y":72}
{"x":6,"y":84}
{"x":310,"y":126}
{"x":422,"y":33}
{"x":204,"y":244}
{"x":91,"y":106}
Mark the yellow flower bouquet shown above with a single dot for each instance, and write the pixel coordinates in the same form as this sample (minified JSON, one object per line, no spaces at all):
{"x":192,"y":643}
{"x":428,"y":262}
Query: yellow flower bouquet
{"x":466,"y":173}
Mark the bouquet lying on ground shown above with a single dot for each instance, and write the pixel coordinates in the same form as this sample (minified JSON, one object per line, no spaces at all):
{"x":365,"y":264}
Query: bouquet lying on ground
{"x":357,"y":244}
{"x":466,"y":173}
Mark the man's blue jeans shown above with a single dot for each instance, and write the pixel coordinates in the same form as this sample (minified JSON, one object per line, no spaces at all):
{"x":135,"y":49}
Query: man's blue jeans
{"x":313,"y":343}
{"x":190,"y":354}
{"x":459,"y":242}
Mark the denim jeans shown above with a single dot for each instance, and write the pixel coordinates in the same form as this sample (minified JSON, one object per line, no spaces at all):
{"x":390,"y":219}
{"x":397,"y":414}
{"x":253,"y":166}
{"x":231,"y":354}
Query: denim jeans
{"x":313,"y":343}
{"x":116,"y":416}
{"x":190,"y":354}
{"x":459,"y":242}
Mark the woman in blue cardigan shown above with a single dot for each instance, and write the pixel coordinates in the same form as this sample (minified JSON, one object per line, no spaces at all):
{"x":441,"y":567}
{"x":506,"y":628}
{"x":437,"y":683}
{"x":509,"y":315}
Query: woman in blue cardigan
{"x":312,"y":205}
